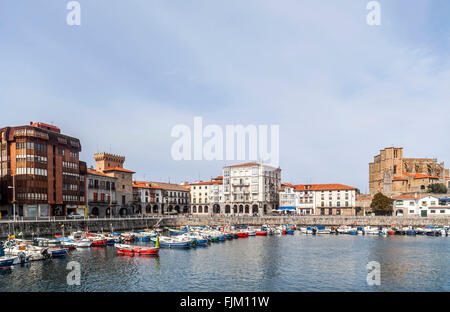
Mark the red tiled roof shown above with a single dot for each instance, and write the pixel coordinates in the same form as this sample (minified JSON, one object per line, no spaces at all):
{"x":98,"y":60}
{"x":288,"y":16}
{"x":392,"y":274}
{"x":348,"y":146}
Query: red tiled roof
{"x":119,"y":169}
{"x":323,"y":187}
{"x":287,"y":185}
{"x":399,"y":179}
{"x":206,"y":183}
{"x":98,"y":173}
{"x":144,"y":184}
{"x":364,"y":198}
{"x":420,"y":176}
{"x":409,"y":196}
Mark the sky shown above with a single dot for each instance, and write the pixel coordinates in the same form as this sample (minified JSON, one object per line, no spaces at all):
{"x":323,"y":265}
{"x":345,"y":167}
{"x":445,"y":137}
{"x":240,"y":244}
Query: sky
{"x":339,"y":89}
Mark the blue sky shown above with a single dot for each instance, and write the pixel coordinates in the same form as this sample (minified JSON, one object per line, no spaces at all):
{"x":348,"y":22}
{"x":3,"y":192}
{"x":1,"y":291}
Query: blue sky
{"x":339,"y":89}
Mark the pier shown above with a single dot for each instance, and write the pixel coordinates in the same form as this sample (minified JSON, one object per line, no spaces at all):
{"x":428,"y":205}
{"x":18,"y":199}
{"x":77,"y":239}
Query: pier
{"x":53,"y":226}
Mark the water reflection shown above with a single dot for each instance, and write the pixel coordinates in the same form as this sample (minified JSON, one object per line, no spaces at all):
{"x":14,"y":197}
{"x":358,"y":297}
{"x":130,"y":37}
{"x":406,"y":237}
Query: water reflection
{"x":274,"y":263}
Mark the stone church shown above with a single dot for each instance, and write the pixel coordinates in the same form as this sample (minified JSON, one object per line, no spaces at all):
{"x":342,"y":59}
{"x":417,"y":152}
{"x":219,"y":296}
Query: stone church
{"x":392,"y":174}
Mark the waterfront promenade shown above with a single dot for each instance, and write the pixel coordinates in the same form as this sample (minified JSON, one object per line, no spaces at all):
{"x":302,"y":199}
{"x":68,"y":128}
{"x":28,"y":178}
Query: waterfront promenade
{"x":52,"y":226}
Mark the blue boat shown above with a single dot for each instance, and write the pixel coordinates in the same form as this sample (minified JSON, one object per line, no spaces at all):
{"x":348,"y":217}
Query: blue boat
{"x":177,"y":232}
{"x":411,"y":232}
{"x":290,"y":232}
{"x":5,"y":261}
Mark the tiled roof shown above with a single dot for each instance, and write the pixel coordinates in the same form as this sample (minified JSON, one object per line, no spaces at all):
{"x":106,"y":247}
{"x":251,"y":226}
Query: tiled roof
{"x":323,"y":187}
{"x":99,"y":173}
{"x":119,"y":169}
{"x":399,"y":179}
{"x":206,"y":183}
{"x":144,"y":184}
{"x":409,"y":196}
{"x":171,"y":187}
{"x":364,"y":198}
{"x":420,"y":176}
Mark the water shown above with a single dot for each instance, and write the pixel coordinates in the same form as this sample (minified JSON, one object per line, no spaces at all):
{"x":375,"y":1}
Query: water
{"x":274,"y":263}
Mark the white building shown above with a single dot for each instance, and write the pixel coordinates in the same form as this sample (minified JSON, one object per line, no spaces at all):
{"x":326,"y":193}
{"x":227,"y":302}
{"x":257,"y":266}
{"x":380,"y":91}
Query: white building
{"x":147,"y":197}
{"x":101,"y":194}
{"x":250,"y":189}
{"x":319,"y":199}
{"x":206,"y":197}
{"x":419,"y":205}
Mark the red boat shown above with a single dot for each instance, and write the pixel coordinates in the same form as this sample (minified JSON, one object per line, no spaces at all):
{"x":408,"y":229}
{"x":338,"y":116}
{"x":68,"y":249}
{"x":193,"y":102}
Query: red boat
{"x":136,"y":250}
{"x":242,"y":234}
{"x":283,"y":232}
{"x":99,"y":242}
{"x":261,"y":233}
{"x":391,"y":232}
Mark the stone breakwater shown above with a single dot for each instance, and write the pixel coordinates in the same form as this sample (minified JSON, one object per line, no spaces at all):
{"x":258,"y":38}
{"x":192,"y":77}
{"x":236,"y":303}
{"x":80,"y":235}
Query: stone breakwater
{"x":58,"y":227}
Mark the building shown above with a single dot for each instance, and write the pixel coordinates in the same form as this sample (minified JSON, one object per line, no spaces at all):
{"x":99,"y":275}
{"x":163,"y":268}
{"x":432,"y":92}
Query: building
{"x":40,"y":172}
{"x":251,"y":189}
{"x":363,"y":203}
{"x":207,"y":197}
{"x":148,"y":197}
{"x":289,"y":199}
{"x":392,"y":174}
{"x":112,"y":166}
{"x":102,"y":199}
{"x":174,"y":197}
{"x":419,"y":205}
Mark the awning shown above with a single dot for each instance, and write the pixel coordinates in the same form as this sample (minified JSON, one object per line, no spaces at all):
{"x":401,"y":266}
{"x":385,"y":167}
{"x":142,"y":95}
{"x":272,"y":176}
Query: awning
{"x":287,"y":208}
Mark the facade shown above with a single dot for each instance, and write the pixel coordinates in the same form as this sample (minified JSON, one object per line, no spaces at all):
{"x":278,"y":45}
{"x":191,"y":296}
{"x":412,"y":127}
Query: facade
{"x":40,"y":172}
{"x":250,"y":189}
{"x":363,"y":203}
{"x":318,"y":199}
{"x":392,"y":174}
{"x":148,"y":197}
{"x":102,"y":199}
{"x":289,"y":199}
{"x":112,"y":166}
{"x":175,"y":198}
{"x":207,"y":197}
{"x":419,"y":205}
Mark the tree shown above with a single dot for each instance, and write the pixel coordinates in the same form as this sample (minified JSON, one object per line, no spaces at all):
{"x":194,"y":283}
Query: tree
{"x":437,"y":188}
{"x":381,"y":205}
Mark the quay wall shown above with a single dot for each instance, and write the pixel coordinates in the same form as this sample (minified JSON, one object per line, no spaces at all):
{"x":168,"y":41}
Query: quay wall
{"x":58,"y":227}
{"x":309,"y":220}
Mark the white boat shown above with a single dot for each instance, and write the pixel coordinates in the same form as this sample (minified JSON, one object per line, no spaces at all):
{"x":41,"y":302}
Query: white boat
{"x":82,"y":243}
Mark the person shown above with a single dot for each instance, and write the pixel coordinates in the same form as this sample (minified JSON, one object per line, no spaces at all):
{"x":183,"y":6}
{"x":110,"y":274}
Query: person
{"x":157,"y":242}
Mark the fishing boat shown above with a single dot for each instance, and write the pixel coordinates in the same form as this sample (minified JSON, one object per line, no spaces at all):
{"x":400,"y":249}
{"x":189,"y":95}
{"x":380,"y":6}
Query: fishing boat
{"x":170,"y":242}
{"x":290,"y":232}
{"x":261,"y":233}
{"x":136,"y":250}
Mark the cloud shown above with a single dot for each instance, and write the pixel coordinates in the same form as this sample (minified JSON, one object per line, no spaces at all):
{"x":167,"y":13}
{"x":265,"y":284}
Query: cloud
{"x":339,"y":89}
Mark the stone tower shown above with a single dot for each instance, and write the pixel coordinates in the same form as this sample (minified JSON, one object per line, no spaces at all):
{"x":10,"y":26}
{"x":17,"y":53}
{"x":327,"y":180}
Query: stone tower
{"x":106,"y":161}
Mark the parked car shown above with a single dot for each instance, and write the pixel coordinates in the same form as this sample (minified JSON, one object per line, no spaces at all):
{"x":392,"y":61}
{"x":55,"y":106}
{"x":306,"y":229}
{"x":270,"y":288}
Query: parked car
{"x":75,"y":216}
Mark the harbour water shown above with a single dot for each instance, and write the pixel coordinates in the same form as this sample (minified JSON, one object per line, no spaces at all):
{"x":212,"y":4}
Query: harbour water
{"x":274,"y":263}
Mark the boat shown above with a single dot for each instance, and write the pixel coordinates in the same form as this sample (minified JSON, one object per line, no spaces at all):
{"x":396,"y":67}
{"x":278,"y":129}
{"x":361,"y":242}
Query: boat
{"x":136,"y":250}
{"x":261,"y":233}
{"x":290,"y":232}
{"x":170,"y":242}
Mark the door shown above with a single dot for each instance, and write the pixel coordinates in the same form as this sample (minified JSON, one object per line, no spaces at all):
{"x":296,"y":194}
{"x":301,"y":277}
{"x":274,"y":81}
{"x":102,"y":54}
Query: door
{"x":423,"y":213}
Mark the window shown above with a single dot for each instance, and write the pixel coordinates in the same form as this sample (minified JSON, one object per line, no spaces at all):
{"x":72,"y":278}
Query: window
{"x":432,"y":211}
{"x":442,"y":211}
{"x":411,"y":211}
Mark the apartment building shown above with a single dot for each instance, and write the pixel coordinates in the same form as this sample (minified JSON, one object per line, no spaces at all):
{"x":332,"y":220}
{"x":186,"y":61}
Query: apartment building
{"x":147,"y":197}
{"x":251,"y":189}
{"x":175,"y":198}
{"x":102,"y":198}
{"x":207,"y":197}
{"x":40,"y":172}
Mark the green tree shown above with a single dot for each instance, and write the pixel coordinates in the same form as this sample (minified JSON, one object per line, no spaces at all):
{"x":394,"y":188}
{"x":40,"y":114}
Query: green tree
{"x":381,"y":205}
{"x":437,"y":188}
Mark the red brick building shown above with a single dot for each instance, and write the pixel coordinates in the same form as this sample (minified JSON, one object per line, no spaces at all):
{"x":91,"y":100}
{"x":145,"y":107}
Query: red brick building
{"x":40,"y":172}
